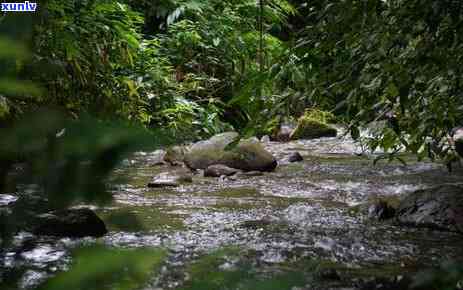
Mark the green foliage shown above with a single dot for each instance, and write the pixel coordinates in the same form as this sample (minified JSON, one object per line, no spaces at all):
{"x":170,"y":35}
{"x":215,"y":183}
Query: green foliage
{"x":91,"y":56}
{"x":188,"y":119}
{"x":101,"y":268}
{"x":86,"y":48}
{"x":396,"y":60}
{"x":217,"y":46}
{"x":72,"y":159}
{"x":13,"y":90}
{"x":206,"y":275}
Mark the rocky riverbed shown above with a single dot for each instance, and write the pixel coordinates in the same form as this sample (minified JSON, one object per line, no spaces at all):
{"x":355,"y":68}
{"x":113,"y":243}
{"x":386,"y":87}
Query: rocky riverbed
{"x":306,"y":223}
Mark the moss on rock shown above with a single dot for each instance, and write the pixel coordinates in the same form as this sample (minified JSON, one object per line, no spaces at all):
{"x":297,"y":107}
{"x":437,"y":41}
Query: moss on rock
{"x":320,"y":115}
{"x":309,"y":128}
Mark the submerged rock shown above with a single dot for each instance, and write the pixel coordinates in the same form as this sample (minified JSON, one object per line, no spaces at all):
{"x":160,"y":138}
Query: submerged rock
{"x":385,"y":283}
{"x":308,"y":128}
{"x":246,"y":155}
{"x":381,"y":210}
{"x":219,"y":170}
{"x":171,"y":179}
{"x":295,"y":157}
{"x":255,"y":224}
{"x":438,"y":208}
{"x":81,"y":222}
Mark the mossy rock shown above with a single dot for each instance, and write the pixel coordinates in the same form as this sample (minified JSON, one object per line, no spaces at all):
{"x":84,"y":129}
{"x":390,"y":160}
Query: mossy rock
{"x":308,"y":128}
{"x":247,"y":155}
{"x":250,"y":156}
{"x":320,"y":115}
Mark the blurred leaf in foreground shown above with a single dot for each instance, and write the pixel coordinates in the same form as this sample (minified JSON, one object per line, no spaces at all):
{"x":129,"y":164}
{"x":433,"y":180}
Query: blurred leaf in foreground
{"x":12,"y":56}
{"x":98,"y":268}
{"x":72,"y":159}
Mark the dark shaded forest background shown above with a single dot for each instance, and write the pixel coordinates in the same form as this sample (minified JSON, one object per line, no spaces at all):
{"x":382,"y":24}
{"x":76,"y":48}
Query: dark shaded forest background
{"x":200,"y":67}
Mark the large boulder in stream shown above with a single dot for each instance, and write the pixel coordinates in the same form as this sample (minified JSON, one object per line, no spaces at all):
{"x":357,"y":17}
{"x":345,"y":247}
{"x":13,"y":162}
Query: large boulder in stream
{"x":309,"y":128}
{"x":247,"y":155}
{"x":81,"y":222}
{"x":438,"y":208}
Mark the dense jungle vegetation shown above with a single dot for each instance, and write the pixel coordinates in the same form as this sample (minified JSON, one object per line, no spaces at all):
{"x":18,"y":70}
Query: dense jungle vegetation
{"x":202,"y":67}
{"x":129,"y":75}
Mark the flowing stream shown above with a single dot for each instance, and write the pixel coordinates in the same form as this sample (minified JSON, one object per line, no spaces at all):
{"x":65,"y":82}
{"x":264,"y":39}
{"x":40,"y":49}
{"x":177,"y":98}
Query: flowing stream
{"x":311,"y":212}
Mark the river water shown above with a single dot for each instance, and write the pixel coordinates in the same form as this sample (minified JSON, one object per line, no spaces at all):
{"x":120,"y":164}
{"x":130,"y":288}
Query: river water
{"x":302,"y":218}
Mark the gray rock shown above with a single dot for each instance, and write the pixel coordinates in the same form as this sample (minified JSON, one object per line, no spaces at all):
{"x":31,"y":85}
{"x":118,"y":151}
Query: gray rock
{"x":253,"y":140}
{"x":265,"y":139}
{"x":81,"y":222}
{"x":381,"y":210}
{"x":283,"y":133}
{"x":457,"y":133}
{"x":171,"y":179}
{"x":175,"y":155}
{"x":157,"y":157}
{"x":295,"y":157}
{"x":438,"y":208}
{"x":219,"y":170}
{"x":247,"y":155}
{"x":209,"y":152}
